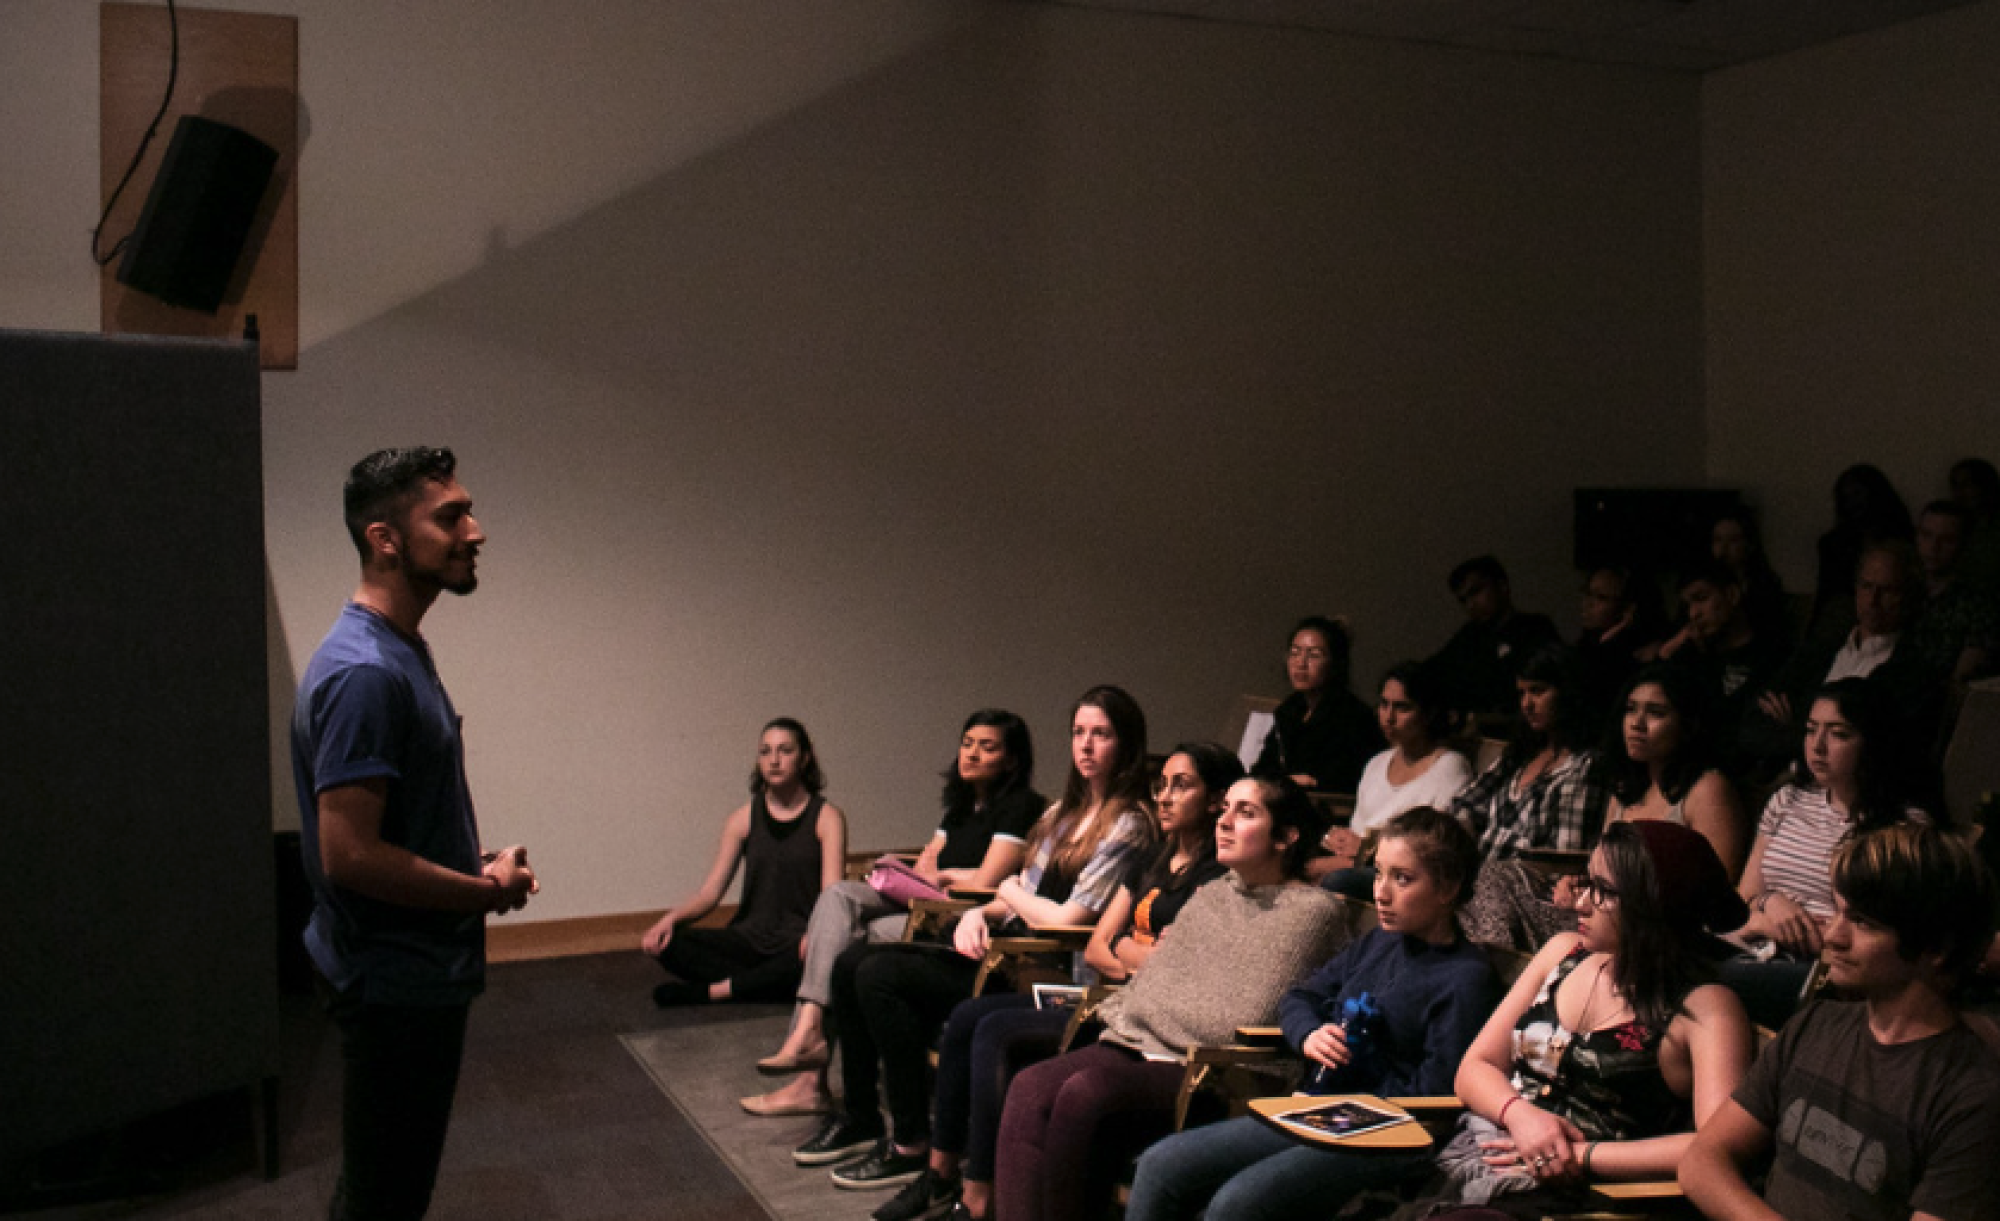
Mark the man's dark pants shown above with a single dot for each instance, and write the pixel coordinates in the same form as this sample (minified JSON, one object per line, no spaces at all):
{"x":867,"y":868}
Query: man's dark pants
{"x":401,"y":1066}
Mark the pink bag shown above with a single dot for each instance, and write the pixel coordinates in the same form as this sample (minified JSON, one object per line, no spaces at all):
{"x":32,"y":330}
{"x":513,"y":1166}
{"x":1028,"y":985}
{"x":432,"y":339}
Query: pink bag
{"x":899,"y":884}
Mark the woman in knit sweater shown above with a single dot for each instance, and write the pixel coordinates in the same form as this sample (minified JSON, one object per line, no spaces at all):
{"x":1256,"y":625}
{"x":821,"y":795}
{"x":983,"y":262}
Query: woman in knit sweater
{"x":1431,"y":990}
{"x":1071,"y":1123}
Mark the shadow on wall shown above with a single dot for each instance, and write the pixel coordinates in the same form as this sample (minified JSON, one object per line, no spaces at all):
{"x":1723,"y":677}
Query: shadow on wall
{"x":1046,"y":356}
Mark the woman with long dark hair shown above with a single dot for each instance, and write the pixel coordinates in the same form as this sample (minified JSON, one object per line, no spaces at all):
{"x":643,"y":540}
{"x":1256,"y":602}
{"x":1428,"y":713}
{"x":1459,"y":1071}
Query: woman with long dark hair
{"x":1546,"y":790}
{"x":1419,"y":769}
{"x":1613,"y":1046}
{"x":990,"y":807}
{"x":888,"y":1000}
{"x":1071,"y":1123}
{"x":1664,"y":763}
{"x":792,"y":844}
{"x":1856,"y":785}
{"x":989,"y":1039}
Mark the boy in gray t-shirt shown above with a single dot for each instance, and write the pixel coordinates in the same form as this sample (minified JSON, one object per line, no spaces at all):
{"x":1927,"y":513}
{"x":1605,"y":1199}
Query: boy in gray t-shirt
{"x":1888,"y":1106}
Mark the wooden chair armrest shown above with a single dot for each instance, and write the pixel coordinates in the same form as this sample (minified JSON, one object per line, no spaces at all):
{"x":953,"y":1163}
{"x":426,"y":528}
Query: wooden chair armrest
{"x":1650,"y":1189}
{"x":1085,"y":1012}
{"x":1429,"y":1102}
{"x":972,"y":894}
{"x":1260,"y":1036}
{"x":1555,"y":861}
{"x":928,"y":913}
{"x":1202,"y":1062}
{"x":1014,"y":947}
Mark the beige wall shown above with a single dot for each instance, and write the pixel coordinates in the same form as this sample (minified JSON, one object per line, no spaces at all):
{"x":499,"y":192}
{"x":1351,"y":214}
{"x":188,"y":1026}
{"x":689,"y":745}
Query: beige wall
{"x":1852,"y":267}
{"x":872,"y":362}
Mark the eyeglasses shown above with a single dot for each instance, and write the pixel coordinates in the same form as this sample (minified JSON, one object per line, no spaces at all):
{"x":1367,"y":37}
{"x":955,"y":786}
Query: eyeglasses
{"x":1174,"y":786}
{"x":1600,"y":892}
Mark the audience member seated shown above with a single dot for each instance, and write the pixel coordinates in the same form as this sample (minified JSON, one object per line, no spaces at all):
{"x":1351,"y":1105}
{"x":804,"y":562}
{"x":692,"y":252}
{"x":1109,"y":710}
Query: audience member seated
{"x":1960,"y":627}
{"x":792,"y":844}
{"x":1612,"y":1047}
{"x":1484,"y":657}
{"x":1620,"y":627}
{"x":1546,"y":790}
{"x":1421,"y":992}
{"x":1731,"y":660}
{"x":1975,"y":487}
{"x":1735,"y":539}
{"x":1418,"y":769}
{"x":1881,"y":1107}
{"x":1852,"y":756}
{"x":988,"y":1039}
{"x":1888,"y":592}
{"x":889,"y":1000}
{"x":1666,"y":764}
{"x":1321,"y":735}
{"x":990,"y":807}
{"x":1867,"y":511}
{"x":1071,"y":1124}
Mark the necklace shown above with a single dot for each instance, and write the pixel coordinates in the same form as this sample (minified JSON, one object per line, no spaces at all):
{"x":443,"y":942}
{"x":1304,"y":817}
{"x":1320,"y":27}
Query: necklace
{"x":1583,"y":1026}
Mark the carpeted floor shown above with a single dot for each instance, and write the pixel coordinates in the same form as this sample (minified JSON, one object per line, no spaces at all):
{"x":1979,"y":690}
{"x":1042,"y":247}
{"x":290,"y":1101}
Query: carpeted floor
{"x":555,"y":1119}
{"x":705,"y":1069}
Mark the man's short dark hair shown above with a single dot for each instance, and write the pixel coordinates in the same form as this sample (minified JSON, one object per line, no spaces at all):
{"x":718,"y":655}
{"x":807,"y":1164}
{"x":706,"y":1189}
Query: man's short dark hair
{"x":1927,"y":885}
{"x":1948,"y":508}
{"x":382,"y":486}
{"x":1478,"y":566}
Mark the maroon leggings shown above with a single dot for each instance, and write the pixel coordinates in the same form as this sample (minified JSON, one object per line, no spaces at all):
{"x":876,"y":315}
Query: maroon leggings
{"x":1071,"y":1127}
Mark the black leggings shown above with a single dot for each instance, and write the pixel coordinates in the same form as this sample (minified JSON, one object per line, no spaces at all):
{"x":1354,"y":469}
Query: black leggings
{"x":710,"y":955}
{"x":888,"y":1002}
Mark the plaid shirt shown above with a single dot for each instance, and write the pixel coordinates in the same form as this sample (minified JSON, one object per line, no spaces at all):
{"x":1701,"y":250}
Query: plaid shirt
{"x":1563,"y":808}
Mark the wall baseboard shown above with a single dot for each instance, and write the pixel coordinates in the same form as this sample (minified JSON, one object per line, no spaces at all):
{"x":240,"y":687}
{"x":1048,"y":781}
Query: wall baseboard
{"x":573,"y":938}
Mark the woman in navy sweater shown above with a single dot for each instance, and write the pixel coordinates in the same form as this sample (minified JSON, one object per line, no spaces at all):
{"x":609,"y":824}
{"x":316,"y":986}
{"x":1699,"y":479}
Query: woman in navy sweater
{"x":1430,"y":989}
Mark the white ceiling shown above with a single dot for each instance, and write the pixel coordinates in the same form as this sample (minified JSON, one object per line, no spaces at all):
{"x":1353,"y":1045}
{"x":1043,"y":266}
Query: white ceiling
{"x":1683,"y":35}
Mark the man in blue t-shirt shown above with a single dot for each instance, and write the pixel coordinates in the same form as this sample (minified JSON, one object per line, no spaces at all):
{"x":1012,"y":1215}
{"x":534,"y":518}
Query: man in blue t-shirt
{"x":400,"y":886}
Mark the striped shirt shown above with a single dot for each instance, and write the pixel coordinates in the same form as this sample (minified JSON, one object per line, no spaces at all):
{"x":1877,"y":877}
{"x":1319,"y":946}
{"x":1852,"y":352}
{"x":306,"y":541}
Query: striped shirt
{"x":1800,"y":831}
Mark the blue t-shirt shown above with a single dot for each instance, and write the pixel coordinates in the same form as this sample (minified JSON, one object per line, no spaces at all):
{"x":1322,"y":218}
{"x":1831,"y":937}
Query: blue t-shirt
{"x":371,"y":706}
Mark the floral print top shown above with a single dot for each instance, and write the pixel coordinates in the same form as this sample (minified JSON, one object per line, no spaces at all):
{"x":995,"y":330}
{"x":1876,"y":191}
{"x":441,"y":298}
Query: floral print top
{"x":1607,"y":1082}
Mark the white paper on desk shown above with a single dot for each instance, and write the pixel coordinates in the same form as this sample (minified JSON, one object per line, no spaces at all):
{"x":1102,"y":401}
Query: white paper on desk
{"x":1255,"y":730}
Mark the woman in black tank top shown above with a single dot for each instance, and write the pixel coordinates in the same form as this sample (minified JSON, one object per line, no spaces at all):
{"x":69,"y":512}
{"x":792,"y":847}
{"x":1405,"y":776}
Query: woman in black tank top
{"x":792,"y":843}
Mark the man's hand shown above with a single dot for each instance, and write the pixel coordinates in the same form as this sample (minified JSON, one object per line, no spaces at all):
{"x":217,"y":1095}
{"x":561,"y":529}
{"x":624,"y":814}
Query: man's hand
{"x":509,"y":867}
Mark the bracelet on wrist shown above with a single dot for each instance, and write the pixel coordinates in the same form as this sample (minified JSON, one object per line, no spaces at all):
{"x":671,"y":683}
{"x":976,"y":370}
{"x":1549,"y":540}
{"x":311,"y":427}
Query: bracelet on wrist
{"x":1501,"y":1119}
{"x":1588,"y":1149}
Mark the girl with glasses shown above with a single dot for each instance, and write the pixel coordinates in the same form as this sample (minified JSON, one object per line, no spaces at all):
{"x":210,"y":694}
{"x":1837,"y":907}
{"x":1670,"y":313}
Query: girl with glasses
{"x":1612,"y":1047}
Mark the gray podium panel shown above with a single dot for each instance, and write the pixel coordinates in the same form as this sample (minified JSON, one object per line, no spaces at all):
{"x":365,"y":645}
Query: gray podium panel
{"x":137,"y":942}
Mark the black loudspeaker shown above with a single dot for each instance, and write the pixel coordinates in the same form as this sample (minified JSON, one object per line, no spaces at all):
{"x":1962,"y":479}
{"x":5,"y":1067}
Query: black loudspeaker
{"x":198,"y":214}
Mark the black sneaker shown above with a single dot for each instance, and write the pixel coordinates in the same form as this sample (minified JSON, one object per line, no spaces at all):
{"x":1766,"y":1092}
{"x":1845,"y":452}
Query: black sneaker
{"x":883,"y":1168}
{"x":838,"y":1139}
{"x":926,"y":1198}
